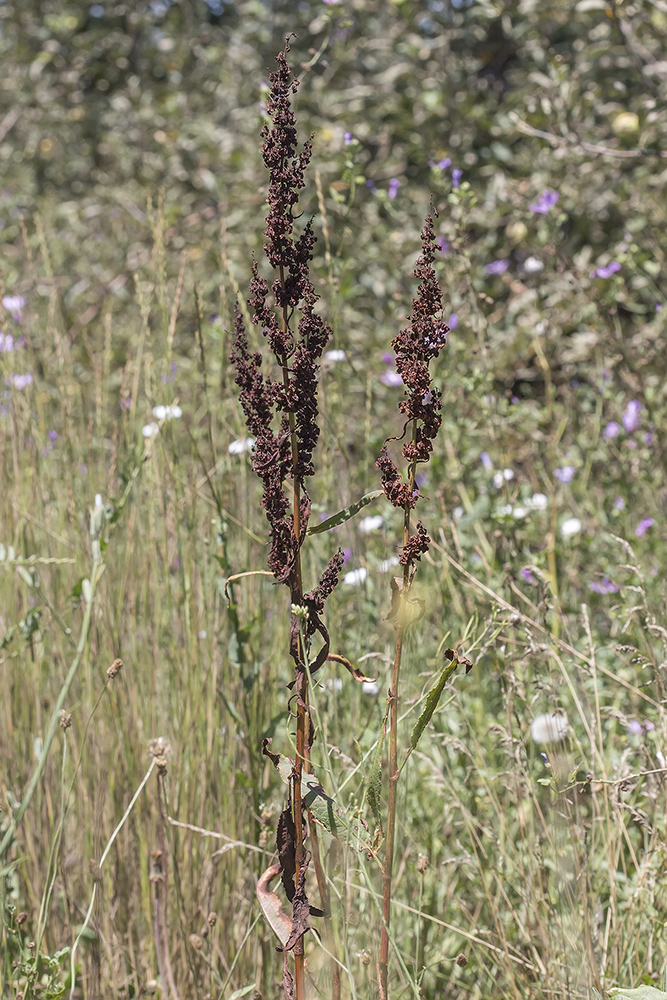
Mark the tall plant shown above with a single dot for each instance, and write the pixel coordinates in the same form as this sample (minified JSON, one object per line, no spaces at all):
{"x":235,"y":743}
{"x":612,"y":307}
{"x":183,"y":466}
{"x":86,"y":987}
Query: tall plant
{"x":415,"y":347}
{"x":282,"y":415}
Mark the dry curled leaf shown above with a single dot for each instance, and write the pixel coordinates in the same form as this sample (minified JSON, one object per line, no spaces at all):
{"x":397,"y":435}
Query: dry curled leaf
{"x":272,"y":907}
{"x":355,"y":671}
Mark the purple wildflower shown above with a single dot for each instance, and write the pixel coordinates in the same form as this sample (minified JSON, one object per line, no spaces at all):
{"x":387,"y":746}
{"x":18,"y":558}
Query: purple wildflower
{"x":347,"y":138}
{"x":394,"y":185}
{"x":566,"y":474}
{"x":643,"y":526}
{"x":528,"y":575}
{"x":603,"y":586}
{"x":371,"y":186}
{"x":443,"y":164}
{"x":6,"y":343}
{"x":453,"y":321}
{"x":497,"y":266}
{"x":545,"y":202}
{"x":631,"y":417}
{"x":391,"y":377}
{"x":658,"y":307}
{"x":612,"y":429}
{"x":19,"y":381}
{"x":607,"y":270}
{"x":53,"y":435}
{"x":634,"y":727}
{"x":456,"y":177}
{"x":388,"y":359}
{"x":619,"y":503}
{"x":443,"y":244}
{"x":14,"y":304}
{"x":485,"y":459}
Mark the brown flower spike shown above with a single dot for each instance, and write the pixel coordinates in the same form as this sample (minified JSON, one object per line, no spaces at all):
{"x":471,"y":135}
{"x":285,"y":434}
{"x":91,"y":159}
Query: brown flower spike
{"x":415,"y":346}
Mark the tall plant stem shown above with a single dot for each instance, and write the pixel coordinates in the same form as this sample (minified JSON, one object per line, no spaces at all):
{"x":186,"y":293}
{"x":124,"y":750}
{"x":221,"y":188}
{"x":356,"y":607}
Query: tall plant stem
{"x":387,"y":870}
{"x":302,"y":698}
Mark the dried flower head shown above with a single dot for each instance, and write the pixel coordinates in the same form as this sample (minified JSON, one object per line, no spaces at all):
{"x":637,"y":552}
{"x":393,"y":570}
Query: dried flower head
{"x":282,"y":413}
{"x":115,"y":668}
{"x":415,"y":347}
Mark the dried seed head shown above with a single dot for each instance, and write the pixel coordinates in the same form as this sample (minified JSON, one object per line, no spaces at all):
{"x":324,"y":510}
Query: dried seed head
{"x":160,"y":749}
{"x":415,"y":346}
{"x":65,"y":719}
{"x":21,"y":918}
{"x":115,"y":668}
{"x":212,"y":918}
{"x":461,"y":959}
{"x":422,"y":864}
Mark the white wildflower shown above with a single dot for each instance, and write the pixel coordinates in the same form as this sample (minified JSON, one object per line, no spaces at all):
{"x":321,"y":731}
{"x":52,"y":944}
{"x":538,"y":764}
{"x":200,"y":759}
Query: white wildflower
{"x":371,"y":523}
{"x":552,"y":727}
{"x":150,"y":430}
{"x":370,"y":688}
{"x":570,"y":527}
{"x":335,"y":356}
{"x":355,"y":576}
{"x":167,"y":412}
{"x":388,"y":564}
{"x":240,"y":445}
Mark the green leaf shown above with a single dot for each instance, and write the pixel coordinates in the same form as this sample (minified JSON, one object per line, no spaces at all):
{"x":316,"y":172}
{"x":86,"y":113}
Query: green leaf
{"x":432,"y":699}
{"x":243,"y":992}
{"x":374,"y":792}
{"x":331,"y":817}
{"x":337,"y":821}
{"x":344,"y":515}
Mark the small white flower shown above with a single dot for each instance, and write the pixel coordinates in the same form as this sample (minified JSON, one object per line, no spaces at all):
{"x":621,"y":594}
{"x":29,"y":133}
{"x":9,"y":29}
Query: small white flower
{"x":98,"y":501}
{"x":335,"y":356}
{"x":662,"y":760}
{"x":519,"y":512}
{"x":500,"y":477}
{"x":552,"y":727}
{"x":240,"y":445}
{"x":506,"y":510}
{"x":533,"y":265}
{"x":355,"y":576}
{"x":570,"y":527}
{"x":458,"y":513}
{"x":202,"y":633}
{"x":371,"y":523}
{"x":538,"y":501}
{"x":167,"y":412}
{"x":388,"y":564}
{"x":150,"y":430}
{"x":370,"y":688}
{"x":335,"y":683}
